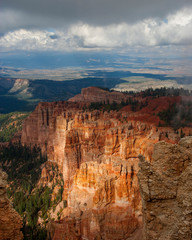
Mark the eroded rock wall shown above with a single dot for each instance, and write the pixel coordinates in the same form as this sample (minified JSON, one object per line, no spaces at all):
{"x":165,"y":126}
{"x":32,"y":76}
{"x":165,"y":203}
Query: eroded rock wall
{"x":10,"y":220}
{"x":103,"y":202}
{"x":71,"y":136}
{"x":166,"y":191}
{"x":97,"y":154}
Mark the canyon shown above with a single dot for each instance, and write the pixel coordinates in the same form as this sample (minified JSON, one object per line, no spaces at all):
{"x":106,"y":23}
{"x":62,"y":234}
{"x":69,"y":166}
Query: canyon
{"x":97,"y":153}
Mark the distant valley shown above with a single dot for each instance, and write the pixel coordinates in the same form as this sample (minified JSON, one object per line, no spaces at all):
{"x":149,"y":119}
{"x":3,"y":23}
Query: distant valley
{"x":27,"y":78}
{"x":23,"y":94}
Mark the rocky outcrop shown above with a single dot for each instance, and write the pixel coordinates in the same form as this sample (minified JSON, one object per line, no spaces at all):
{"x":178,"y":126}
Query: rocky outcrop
{"x":103,"y":203}
{"x":10,"y":220}
{"x":71,"y":136}
{"x":94,"y":94}
{"x":166,"y":191}
{"x":19,"y":85}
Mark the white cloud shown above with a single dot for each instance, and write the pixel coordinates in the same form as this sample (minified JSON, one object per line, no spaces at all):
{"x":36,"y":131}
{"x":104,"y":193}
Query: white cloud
{"x":36,"y":40}
{"x":26,"y":40}
{"x":176,"y":29}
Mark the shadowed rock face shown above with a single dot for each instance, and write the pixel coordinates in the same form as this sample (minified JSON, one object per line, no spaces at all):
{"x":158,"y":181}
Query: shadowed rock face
{"x":10,"y":220}
{"x":166,"y":191}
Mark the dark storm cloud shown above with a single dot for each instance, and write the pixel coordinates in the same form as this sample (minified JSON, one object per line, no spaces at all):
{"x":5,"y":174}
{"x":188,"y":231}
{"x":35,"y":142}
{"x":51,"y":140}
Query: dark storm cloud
{"x":58,"y":13}
{"x":62,"y":25}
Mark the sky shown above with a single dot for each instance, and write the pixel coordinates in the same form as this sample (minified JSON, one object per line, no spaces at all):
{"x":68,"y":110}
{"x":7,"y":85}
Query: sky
{"x":101,"y":25}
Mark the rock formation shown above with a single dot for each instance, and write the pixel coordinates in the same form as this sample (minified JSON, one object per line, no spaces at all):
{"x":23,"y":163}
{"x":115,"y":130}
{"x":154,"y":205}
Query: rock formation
{"x":106,"y":196}
{"x":97,"y":154}
{"x":71,"y":136}
{"x":103,"y":203}
{"x":166,"y":191}
{"x":10,"y":220}
{"x":94,"y":94}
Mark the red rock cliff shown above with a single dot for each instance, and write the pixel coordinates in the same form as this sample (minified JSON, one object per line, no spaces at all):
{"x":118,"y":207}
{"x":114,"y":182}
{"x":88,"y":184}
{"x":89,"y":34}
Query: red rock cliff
{"x":10,"y":220}
{"x":97,"y":153}
{"x":94,"y":94}
{"x":71,"y":136}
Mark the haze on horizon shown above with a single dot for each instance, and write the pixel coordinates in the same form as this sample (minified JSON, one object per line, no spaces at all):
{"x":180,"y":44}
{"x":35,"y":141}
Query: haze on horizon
{"x":148,"y":28}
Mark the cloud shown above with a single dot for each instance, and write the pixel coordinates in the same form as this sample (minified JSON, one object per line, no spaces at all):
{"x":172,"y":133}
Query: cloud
{"x":175,"y":29}
{"x":36,"y":40}
{"x":59,"y":13}
{"x":11,"y":20}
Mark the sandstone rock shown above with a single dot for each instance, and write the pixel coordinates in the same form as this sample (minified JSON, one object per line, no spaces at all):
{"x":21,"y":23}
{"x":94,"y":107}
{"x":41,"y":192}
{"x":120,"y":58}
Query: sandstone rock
{"x":105,"y":199}
{"x":94,"y":94}
{"x":97,"y":154}
{"x":71,"y":136}
{"x":166,"y":191}
{"x":10,"y":220}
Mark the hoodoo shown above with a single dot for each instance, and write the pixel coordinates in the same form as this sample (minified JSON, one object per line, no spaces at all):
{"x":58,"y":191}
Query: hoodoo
{"x":96,"y":152}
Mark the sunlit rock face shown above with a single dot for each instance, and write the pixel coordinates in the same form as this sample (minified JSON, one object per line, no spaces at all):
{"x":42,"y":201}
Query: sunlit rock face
{"x":166,"y":191}
{"x":97,"y":154}
{"x":71,"y":136}
{"x":106,"y":195}
{"x":10,"y":220}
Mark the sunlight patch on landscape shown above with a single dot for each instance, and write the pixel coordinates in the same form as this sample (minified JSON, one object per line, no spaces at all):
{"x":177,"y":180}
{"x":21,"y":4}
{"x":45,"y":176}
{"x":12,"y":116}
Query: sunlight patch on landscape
{"x":137,"y":84}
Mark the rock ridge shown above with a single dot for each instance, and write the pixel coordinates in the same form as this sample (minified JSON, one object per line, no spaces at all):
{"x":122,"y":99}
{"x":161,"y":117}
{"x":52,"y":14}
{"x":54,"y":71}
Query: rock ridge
{"x":95,"y":94}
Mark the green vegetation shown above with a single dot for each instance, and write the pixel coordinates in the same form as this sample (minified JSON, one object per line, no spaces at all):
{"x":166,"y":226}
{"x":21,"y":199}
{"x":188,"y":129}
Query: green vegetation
{"x":31,"y":200}
{"x":177,"y":115}
{"x":106,"y":106}
{"x":10,"y":124}
{"x":162,"y":92}
{"x":28,"y":206}
{"x":9,"y":103}
{"x":22,"y":165}
{"x":114,"y":105}
{"x":135,"y":104}
{"x":106,"y":89}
